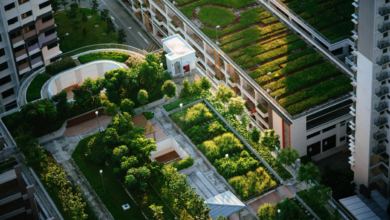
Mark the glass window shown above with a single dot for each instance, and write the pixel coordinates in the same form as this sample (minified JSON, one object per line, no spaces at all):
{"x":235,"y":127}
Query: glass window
{"x":314,"y":134}
{"x":385,"y":50}
{"x":16,"y":34}
{"x":44,"y":5}
{"x":47,"y":18}
{"x":8,"y":93}
{"x":30,"y":28}
{"x":9,"y":6}
{"x":3,"y":66}
{"x":32,"y":42}
{"x":50,"y":46}
{"x":22,"y":1}
{"x":17,"y":49}
{"x":35,"y":56}
{"x":52,"y":31}
{"x":2,"y":52}
{"x":386,"y":17}
{"x":385,"y":34}
{"x":25,"y":15}
{"x":5,"y":80}
{"x":12,"y":21}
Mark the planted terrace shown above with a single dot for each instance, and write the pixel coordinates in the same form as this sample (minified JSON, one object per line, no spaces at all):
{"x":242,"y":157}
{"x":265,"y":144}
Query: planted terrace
{"x":300,"y":77}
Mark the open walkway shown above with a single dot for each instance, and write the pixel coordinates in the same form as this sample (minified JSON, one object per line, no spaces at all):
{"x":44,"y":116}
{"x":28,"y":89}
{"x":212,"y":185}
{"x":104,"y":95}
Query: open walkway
{"x":87,"y":125}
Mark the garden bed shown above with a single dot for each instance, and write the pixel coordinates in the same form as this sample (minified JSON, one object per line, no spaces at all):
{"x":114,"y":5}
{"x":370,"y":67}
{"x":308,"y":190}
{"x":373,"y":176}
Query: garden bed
{"x":35,"y":87}
{"x":105,"y":55}
{"x":259,"y":44}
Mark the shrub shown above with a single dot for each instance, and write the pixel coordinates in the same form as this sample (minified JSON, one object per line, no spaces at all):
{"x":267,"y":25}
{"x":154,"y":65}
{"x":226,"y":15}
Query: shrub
{"x":133,"y":61}
{"x":210,"y":150}
{"x":95,"y":149}
{"x":236,"y":165}
{"x":228,"y":144}
{"x":200,"y":133}
{"x":34,"y":89}
{"x":189,"y":161}
{"x":127,"y":106}
{"x":61,"y":65}
{"x":148,"y":115}
{"x":197,"y":114}
{"x":110,"y":55}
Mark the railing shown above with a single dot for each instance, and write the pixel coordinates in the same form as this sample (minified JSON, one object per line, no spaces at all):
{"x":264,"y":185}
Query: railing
{"x":350,"y":60}
{"x":379,"y":149}
{"x":382,"y":76}
{"x":8,"y":166}
{"x":379,"y":136}
{"x":381,"y":106}
{"x":9,"y":193}
{"x":384,"y":27}
{"x":384,"y":11}
{"x":383,"y":60}
{"x":103,"y":46}
{"x":380,"y":121}
{"x":341,"y":210}
{"x":307,"y":207}
{"x":383,"y":44}
{"x":382,"y":91}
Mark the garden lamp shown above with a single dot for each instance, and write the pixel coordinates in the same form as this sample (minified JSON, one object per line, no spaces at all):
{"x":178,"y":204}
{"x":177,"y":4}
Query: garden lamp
{"x":182,"y":117}
{"x":216,"y":33}
{"x":268,"y":90}
{"x":101,"y":174}
{"x":97,"y":116}
{"x":279,"y":213}
{"x":162,"y":72}
{"x":227,"y":158}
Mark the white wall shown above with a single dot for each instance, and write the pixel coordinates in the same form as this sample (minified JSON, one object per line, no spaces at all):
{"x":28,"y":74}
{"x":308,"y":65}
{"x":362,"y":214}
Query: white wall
{"x":277,"y":126}
{"x":191,"y":58}
{"x":167,"y":145}
{"x":78,"y":74}
{"x":298,"y":136}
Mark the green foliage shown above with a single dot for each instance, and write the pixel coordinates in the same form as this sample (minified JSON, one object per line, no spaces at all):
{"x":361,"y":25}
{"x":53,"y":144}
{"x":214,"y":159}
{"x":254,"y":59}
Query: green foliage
{"x":34,"y":89}
{"x":224,"y":93}
{"x":122,"y":36}
{"x":189,"y":161}
{"x":253,"y":183}
{"x":221,"y":145}
{"x":72,"y":13}
{"x":214,"y":15}
{"x":189,"y":10}
{"x":308,"y":173}
{"x":157,"y":211}
{"x":289,"y":210}
{"x":104,"y":55}
{"x":288,"y":156}
{"x":197,"y":114}
{"x":205,"y":84}
{"x":87,"y":95}
{"x":137,"y":178}
{"x":134,"y":61}
{"x":201,"y":133}
{"x":95,"y":149}
{"x":340,"y":182}
{"x":236,"y":105}
{"x":127,"y":106}
{"x":169,"y":89}
{"x":270,"y":140}
{"x":315,"y":198}
{"x":111,"y":109}
{"x":148,"y":115}
{"x":59,"y":66}
{"x":237,"y":165}
{"x":255,"y":135}
{"x":142,"y":97}
{"x":176,"y":104}
{"x":186,"y":89}
{"x":104,"y":14}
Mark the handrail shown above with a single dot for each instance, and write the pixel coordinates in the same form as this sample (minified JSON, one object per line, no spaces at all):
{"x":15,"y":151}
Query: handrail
{"x":103,"y":46}
{"x":306,"y":206}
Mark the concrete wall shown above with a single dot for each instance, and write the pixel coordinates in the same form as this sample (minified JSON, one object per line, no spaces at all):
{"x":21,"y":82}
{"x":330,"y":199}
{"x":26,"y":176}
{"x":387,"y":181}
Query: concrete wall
{"x":367,"y":14}
{"x":182,"y":60}
{"x":79,"y":74}
{"x":167,"y":145}
{"x":298,"y":136}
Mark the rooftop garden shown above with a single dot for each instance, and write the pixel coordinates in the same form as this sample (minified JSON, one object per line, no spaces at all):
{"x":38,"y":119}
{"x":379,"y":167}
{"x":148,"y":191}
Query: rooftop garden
{"x":330,"y":17}
{"x":300,"y":77}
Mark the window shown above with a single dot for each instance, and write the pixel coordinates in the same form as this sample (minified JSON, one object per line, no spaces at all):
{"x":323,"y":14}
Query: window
{"x":387,"y":1}
{"x":383,"y":97}
{"x":25,"y":15}
{"x":13,"y":21}
{"x":8,"y":93}
{"x":54,"y":59}
{"x":384,"y":82}
{"x":385,"y":50}
{"x":328,"y":114}
{"x":342,"y":123}
{"x":342,"y":139}
{"x":9,"y":6}
{"x":21,"y":62}
{"x":329,"y":128}
{"x":16,"y":34}
{"x":22,"y":1}
{"x":385,"y":34}
{"x":17,"y":49}
{"x":35,"y":56}
{"x":52,"y":31}
{"x":10,"y":106}
{"x":44,"y":5}
{"x":3,"y":66}
{"x":387,"y":126}
{"x":1,"y":39}
{"x":2,"y":52}
{"x":47,"y":18}
{"x":29,"y":28}
{"x":32,"y":42}
{"x":313,"y":135}
{"x":384,"y":67}
{"x":50,"y":46}
{"x":386,"y":17}
{"x":5,"y":80}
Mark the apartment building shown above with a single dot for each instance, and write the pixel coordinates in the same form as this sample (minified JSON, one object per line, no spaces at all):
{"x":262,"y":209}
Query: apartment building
{"x":312,"y":132}
{"x":18,"y":199}
{"x":370,"y":62}
{"x":28,"y":40}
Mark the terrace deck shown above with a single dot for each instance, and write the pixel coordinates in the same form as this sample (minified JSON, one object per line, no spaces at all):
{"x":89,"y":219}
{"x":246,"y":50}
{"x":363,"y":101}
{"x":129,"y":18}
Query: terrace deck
{"x":301,"y":78}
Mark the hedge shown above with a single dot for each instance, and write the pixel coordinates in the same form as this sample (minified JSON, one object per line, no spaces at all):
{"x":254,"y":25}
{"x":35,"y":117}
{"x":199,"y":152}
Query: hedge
{"x":34,"y":89}
{"x":61,"y":65}
{"x":189,"y":161}
{"x":148,"y":115}
{"x":110,"y":55}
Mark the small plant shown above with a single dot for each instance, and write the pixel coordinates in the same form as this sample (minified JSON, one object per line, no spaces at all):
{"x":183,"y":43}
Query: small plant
{"x":59,"y":66}
{"x":110,"y":55}
{"x":148,"y":115}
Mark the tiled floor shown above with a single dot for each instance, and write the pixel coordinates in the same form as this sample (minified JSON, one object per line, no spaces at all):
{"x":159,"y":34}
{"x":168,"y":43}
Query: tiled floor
{"x":168,"y":157}
{"x":273,"y":197}
{"x":159,"y":133}
{"x":87,"y":125}
{"x":286,"y":190}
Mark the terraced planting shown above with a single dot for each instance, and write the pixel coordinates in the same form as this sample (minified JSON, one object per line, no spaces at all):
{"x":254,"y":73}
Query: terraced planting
{"x":300,"y":77}
{"x":330,"y":17}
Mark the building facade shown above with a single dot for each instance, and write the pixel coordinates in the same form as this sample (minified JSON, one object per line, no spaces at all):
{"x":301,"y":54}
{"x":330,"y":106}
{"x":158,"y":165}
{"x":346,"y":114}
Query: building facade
{"x":370,"y":62}
{"x":28,"y":40}
{"x":312,"y":133}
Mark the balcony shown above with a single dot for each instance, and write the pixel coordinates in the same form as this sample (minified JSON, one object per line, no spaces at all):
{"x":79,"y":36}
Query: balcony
{"x":381,"y":106}
{"x":36,"y":61}
{"x":33,"y":47}
{"x":350,"y":60}
{"x":383,"y":44}
{"x":378,"y":136}
{"x":383,"y":60}
{"x":20,"y":53}
{"x":197,"y":40}
{"x":17,"y":39}
{"x":380,"y":121}
{"x":382,"y":91}
{"x":382,"y":76}
{"x":384,"y":27}
{"x":23,"y":66}
{"x":160,"y":4}
{"x":381,"y":148}
{"x":384,"y":11}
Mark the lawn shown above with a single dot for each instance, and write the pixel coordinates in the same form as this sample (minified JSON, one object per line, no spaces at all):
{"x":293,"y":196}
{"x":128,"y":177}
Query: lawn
{"x":76,"y":39}
{"x":115,"y":195}
{"x":34,"y":89}
{"x":185,"y":101}
{"x":214,"y":16}
{"x":260,"y":44}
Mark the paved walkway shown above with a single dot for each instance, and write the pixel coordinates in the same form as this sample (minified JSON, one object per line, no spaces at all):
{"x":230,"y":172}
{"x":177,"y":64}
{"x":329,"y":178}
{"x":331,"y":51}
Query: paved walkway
{"x":88,"y":125}
{"x":271,"y":198}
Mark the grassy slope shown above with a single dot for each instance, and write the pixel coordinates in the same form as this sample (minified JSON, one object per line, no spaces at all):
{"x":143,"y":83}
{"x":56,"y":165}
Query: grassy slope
{"x":34,"y":89}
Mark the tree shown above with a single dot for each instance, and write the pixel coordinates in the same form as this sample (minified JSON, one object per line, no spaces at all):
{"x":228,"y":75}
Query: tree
{"x":195,"y":86}
{"x":205,"y":84}
{"x":148,"y":71}
{"x":137,"y":178}
{"x":104,"y":15}
{"x":224,"y":93}
{"x":95,"y":6}
{"x":84,"y":19}
{"x":128,"y":162}
{"x":255,"y":134}
{"x":79,"y":1}
{"x":186,"y":89}
{"x":157,"y":211}
{"x":111,"y":109}
{"x":127,"y":106}
{"x":119,"y":152}
{"x":72,"y":13}
{"x":39,"y":116}
{"x":87,"y":95}
{"x":308,"y":173}
{"x":120,"y":84}
{"x":122,"y":36}
{"x":169,"y":89}
{"x":236,"y":105}
{"x":76,"y":25}
{"x":270,"y":140}
{"x":62,"y":104}
{"x":54,"y":5}
{"x":221,"y":217}
{"x":64,"y":3}
{"x":110,"y":25}
{"x":288,"y":156}
{"x":134,"y":60}
{"x":245,"y":119}
{"x":142,"y":97}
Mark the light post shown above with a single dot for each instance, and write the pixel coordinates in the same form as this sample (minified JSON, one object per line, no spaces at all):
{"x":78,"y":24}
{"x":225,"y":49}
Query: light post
{"x":227,"y":158}
{"x":182,"y":117}
{"x":268,"y":90}
{"x":162,"y":71}
{"x":63,"y":37}
{"x":279,"y":213}
{"x":216,"y":33}
{"x":97,"y":116}
{"x":101,"y":174}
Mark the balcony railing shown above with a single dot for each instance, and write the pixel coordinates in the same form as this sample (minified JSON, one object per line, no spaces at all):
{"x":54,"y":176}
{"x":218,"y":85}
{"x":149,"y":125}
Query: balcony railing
{"x":383,"y":44}
{"x":383,"y":60}
{"x":384,"y":11}
{"x":381,"y":106}
{"x":23,"y":66}
{"x":384,"y":27}
{"x":379,"y":136}
{"x":379,"y":149}
{"x":382,"y":91}
{"x":350,"y":60}
{"x":382,"y":76}
{"x":380,"y":121}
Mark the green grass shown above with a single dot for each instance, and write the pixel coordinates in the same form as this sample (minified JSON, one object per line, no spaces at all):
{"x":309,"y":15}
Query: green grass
{"x":105,"y":55}
{"x":34,"y":89}
{"x":76,"y":39}
{"x":115,"y":195}
{"x":176,"y":104}
{"x":189,"y":10}
{"x":214,"y":15}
